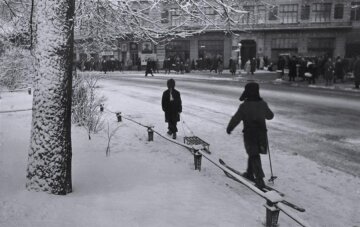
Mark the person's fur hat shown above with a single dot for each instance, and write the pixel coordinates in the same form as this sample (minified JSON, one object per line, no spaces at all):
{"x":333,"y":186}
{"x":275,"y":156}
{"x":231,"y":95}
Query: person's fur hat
{"x":251,"y":92}
{"x":171,"y":83}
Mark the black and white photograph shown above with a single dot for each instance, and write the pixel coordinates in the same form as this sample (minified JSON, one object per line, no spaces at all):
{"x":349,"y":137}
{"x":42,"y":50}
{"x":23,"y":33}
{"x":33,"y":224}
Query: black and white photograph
{"x":180,"y":113}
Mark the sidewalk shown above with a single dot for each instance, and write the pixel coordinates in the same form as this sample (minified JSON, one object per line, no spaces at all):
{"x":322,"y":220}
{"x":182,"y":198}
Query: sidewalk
{"x":264,"y":76}
{"x":260,"y":76}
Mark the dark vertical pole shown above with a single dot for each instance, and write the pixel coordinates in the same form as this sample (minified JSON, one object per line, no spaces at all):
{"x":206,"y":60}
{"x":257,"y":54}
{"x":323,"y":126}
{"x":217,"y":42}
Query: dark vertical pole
{"x":272,"y":214}
{"x":197,"y":161}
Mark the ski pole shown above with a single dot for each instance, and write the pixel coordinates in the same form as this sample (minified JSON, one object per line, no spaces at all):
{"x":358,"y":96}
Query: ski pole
{"x":272,"y":178}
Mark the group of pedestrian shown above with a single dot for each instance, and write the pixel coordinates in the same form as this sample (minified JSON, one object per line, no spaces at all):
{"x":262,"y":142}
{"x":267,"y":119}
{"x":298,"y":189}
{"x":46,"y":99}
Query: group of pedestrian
{"x":253,"y":111}
{"x":215,"y":63}
{"x":105,"y":65}
{"x":250,"y":66}
{"x":313,"y":68}
{"x":177,"y":64}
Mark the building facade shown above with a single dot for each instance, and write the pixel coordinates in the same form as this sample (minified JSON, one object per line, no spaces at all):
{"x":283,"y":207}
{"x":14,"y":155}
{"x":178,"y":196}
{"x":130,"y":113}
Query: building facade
{"x":273,"y":28}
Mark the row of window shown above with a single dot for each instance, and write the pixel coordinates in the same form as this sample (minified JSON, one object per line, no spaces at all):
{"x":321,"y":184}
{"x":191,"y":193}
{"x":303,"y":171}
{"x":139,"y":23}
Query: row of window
{"x":289,"y":13}
{"x":313,"y":43}
{"x":286,"y":13}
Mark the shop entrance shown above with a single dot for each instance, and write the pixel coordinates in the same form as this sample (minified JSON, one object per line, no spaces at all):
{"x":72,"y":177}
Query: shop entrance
{"x":248,"y":50}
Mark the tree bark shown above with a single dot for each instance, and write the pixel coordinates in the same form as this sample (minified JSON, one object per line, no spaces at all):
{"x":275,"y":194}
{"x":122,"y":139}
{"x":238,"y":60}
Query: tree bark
{"x":49,"y":160}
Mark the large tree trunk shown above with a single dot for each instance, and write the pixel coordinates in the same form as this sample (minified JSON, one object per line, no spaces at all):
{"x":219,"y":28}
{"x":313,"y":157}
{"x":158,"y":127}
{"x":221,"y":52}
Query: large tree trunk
{"x":49,"y":161}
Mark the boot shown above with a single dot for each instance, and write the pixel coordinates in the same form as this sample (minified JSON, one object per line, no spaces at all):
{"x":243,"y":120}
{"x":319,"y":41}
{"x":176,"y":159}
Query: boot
{"x":248,"y":176}
{"x":174,"y":135}
{"x":259,"y":183}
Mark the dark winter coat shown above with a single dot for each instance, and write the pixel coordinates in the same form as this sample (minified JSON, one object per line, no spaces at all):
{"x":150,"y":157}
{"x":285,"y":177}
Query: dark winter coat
{"x":328,"y":70}
{"x":281,"y":64}
{"x":232,"y":66}
{"x":149,"y":66}
{"x":252,"y":65}
{"x":339,"y":69}
{"x":292,"y":68}
{"x":253,"y":114}
{"x":173,"y":108}
{"x":356,"y":69}
{"x":104,"y":65}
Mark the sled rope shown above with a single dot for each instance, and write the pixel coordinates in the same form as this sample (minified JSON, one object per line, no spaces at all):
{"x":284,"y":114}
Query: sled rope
{"x":188,"y":128}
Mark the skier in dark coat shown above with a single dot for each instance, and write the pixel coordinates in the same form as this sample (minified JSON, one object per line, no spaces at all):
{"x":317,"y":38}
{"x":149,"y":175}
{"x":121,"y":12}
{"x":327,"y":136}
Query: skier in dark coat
{"x":253,"y":112}
{"x":171,"y":105}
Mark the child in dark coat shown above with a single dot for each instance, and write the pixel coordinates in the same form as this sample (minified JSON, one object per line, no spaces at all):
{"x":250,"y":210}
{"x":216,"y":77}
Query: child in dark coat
{"x":171,"y":105}
{"x":253,"y":112}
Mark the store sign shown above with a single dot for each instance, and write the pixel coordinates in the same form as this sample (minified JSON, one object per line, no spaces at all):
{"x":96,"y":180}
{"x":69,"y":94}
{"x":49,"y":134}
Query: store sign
{"x":145,"y":57}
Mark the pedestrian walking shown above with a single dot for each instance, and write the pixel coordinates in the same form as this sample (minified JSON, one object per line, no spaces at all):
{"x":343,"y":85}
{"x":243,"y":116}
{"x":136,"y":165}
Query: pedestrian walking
{"x":356,"y":69}
{"x":149,"y":67}
{"x":104,"y":65}
{"x":248,"y":67}
{"x":328,"y":72}
{"x":310,"y":71}
{"x":281,"y":66}
{"x":220,"y":65}
{"x":253,"y":112}
{"x":167,"y":65}
{"x":339,"y":70}
{"x":172,"y":107}
{"x":292,"y":69}
{"x":253,"y":66}
{"x":232,"y":66}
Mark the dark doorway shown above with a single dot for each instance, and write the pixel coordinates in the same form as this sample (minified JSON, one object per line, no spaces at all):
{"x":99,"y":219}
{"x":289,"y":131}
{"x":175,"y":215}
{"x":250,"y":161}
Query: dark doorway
{"x":352,"y":50}
{"x":248,"y":50}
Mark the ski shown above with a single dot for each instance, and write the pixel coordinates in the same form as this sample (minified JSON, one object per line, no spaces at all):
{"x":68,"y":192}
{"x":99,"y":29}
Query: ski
{"x":265,"y":189}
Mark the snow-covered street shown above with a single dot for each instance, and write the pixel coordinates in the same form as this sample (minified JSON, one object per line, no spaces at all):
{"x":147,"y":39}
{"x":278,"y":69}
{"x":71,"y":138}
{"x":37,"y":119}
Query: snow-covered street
{"x":313,"y":140}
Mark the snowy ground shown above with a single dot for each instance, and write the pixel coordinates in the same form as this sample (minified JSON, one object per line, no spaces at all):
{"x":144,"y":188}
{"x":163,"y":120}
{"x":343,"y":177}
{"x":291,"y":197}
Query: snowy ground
{"x":153,"y":183}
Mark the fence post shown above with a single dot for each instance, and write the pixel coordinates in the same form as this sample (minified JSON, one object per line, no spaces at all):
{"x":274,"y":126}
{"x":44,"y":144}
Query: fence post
{"x":118,"y":115}
{"x":272,"y":214}
{"x":197,"y":160}
{"x":150,"y":134}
